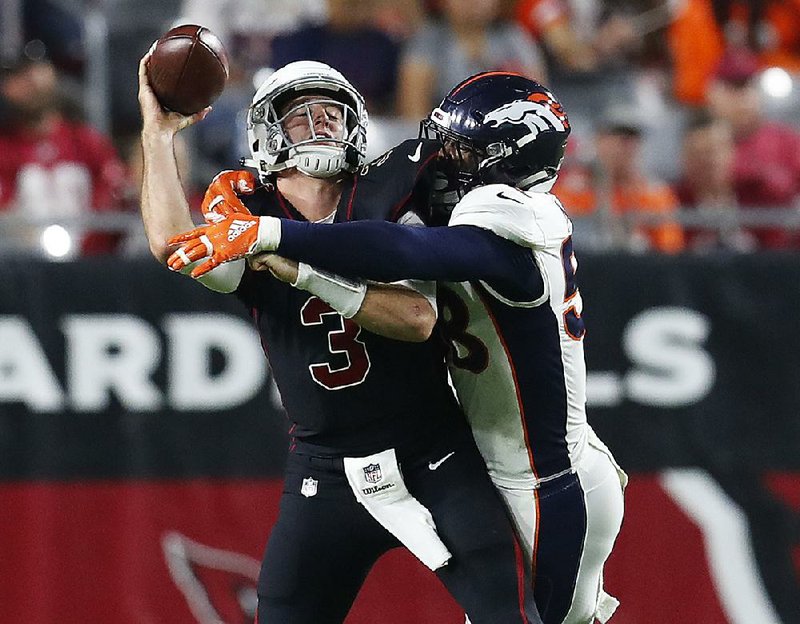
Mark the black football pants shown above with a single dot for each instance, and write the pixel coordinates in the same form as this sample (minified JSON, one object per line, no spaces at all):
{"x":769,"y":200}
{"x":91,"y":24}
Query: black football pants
{"x":323,"y":546}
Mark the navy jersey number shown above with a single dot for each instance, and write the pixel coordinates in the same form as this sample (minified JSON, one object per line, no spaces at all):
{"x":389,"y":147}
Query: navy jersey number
{"x":468,"y":351}
{"x":344,"y":341}
{"x":573,"y":323}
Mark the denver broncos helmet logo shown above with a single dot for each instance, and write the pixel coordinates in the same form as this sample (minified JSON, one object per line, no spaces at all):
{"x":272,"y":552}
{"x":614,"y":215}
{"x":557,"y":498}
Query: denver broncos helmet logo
{"x":539,"y":112}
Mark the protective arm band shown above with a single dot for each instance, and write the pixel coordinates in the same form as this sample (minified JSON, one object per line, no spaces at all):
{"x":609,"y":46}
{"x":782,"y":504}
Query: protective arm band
{"x":343,"y":295}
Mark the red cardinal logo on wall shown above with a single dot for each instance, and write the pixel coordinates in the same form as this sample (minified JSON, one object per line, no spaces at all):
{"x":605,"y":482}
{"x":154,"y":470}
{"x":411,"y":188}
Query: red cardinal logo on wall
{"x":219,"y":585}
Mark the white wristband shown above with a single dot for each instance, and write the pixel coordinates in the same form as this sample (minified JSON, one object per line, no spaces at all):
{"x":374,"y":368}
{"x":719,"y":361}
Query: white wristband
{"x":342,"y":294}
{"x":269,"y":235}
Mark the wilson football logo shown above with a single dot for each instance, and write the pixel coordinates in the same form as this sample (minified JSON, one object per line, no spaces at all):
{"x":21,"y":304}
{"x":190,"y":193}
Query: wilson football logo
{"x":239,"y":227}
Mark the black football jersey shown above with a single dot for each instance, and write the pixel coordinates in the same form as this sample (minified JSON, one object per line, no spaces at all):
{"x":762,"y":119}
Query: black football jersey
{"x":345,"y":389}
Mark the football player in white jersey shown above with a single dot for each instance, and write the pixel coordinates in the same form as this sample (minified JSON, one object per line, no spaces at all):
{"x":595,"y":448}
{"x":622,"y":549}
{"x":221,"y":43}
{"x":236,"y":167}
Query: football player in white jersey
{"x":512,"y":310}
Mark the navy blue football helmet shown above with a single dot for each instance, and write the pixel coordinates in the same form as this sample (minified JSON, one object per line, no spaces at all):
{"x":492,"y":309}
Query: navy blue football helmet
{"x":499,"y":128}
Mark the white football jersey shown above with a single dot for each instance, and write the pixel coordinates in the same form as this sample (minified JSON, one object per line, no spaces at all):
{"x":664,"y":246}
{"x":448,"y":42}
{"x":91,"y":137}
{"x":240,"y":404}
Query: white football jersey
{"x":518,"y":366}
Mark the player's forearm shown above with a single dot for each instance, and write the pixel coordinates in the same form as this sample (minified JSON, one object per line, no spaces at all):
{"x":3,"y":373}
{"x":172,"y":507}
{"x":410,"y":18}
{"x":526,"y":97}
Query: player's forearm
{"x":389,"y":310}
{"x":397,"y":313}
{"x":165,"y":211}
{"x":389,"y":252}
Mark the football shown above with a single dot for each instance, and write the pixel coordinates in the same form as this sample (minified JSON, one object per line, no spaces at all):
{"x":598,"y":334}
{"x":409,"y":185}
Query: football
{"x":187,"y":69}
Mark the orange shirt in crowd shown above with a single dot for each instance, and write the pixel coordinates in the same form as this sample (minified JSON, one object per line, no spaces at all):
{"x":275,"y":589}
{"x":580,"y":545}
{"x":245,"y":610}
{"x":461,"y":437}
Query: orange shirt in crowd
{"x":538,"y":16}
{"x":697,"y":43}
{"x":579,"y":198}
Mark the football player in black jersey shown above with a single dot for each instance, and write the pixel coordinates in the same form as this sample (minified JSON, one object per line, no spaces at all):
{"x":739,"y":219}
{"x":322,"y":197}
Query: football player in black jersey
{"x":381,"y":455}
{"x":513,"y":312}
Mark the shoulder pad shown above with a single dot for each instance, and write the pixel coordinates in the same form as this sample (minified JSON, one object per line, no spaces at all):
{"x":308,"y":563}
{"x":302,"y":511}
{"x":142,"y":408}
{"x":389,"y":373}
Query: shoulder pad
{"x":410,"y":155}
{"x":399,"y":181}
{"x":530,"y":219}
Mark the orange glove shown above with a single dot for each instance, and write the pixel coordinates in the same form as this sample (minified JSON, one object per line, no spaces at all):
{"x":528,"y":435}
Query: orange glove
{"x":238,"y":235}
{"x":222,"y":195}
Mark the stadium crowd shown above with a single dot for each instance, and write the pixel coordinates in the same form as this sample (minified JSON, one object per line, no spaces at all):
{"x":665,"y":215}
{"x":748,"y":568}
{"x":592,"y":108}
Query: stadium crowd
{"x":685,"y":113}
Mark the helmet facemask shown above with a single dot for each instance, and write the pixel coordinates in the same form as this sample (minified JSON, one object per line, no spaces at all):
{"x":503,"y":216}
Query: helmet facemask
{"x":462,"y":165}
{"x":275,"y":122}
{"x":321,"y":154}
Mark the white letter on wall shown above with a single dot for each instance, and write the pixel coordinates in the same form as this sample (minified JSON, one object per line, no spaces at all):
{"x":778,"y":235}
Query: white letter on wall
{"x":111,"y":352}
{"x":25,"y":373}
{"x":191,"y":339}
{"x":671,"y":369}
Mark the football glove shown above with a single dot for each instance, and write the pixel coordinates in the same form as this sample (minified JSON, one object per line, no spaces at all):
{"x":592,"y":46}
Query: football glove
{"x":222,"y":195}
{"x":237,"y":236}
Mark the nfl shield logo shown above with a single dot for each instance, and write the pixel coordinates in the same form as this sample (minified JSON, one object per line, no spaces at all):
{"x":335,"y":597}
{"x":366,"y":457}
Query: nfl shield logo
{"x":372,"y":473}
{"x":309,"y":487}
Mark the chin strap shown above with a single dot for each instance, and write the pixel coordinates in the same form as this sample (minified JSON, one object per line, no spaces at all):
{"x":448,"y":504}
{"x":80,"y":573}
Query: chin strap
{"x":315,"y":161}
{"x":318,"y":161}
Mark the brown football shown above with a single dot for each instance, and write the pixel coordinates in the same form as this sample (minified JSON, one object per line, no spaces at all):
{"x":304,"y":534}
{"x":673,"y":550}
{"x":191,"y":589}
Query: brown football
{"x":187,"y":69}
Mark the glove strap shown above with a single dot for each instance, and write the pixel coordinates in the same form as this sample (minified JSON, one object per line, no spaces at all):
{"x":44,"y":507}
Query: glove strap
{"x":343,"y":295}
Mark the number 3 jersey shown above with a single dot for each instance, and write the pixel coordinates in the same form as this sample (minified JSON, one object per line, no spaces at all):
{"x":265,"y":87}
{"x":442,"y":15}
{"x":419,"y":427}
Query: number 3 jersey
{"x":346,"y":390}
{"x":517,"y":360}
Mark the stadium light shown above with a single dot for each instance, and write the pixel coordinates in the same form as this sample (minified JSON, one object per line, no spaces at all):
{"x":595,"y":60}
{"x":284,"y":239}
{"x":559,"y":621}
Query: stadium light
{"x":56,"y":241}
{"x":776,"y":82}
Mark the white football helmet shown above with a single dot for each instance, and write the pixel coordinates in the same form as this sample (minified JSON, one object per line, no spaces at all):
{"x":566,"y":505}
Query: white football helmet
{"x":318,"y":156}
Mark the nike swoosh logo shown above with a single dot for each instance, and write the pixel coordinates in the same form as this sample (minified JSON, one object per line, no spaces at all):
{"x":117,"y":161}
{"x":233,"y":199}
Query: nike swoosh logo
{"x":436,"y":464}
{"x":502,"y":195}
{"x":417,"y":154}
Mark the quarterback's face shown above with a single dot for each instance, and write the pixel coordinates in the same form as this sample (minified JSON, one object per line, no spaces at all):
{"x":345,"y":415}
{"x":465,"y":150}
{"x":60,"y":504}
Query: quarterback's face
{"x":303,"y":113}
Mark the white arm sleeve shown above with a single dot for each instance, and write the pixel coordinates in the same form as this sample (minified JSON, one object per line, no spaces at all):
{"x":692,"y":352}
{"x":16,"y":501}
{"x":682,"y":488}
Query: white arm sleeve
{"x":225,"y":278}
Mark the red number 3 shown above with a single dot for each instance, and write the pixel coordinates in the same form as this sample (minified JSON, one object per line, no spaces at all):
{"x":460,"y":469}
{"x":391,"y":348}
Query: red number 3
{"x":340,"y":341}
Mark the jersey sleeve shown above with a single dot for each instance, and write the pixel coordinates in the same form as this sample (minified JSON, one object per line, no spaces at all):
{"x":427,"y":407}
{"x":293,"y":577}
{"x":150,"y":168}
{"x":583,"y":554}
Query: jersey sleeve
{"x":529,"y":219}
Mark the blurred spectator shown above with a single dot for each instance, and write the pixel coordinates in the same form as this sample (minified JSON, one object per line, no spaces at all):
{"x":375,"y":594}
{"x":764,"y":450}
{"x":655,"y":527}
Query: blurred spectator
{"x":696,"y":44}
{"x":579,"y":36}
{"x":593,"y":48}
{"x":703,"y":31}
{"x":52,"y":165}
{"x":766,"y":164}
{"x":706,"y":185}
{"x":468,"y":38}
{"x":350,"y":41}
{"x":706,"y":164}
{"x":247,"y":27}
{"x":631,"y":210}
{"x":60,"y":29}
{"x":399,"y":18}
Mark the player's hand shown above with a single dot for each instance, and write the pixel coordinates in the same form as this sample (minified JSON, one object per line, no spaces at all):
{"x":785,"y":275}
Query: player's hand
{"x":237,"y":236}
{"x":155,"y":120}
{"x":222,"y":195}
{"x":283,"y":269}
